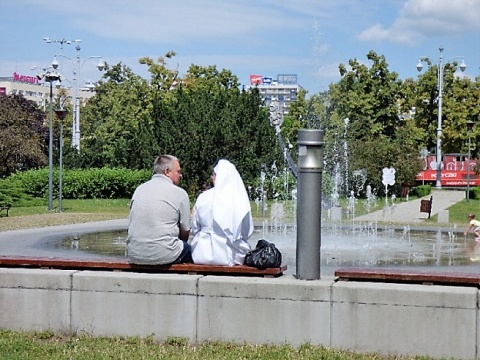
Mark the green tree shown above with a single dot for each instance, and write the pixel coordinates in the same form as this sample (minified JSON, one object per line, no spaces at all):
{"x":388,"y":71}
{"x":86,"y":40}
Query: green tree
{"x":200,"y":118}
{"x":459,"y":105}
{"x":23,"y":136}
{"x":373,"y":100}
{"x":112,"y":135}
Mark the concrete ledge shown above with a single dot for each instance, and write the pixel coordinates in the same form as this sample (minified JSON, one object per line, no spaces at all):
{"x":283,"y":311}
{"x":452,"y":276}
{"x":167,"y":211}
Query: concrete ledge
{"x":405,"y":319}
{"x":279,"y":311}
{"x":33,"y":300}
{"x":437,"y":321}
{"x":129,"y":304}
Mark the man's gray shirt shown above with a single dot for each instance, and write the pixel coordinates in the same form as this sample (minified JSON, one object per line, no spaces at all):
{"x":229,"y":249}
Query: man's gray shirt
{"x":158,"y":211}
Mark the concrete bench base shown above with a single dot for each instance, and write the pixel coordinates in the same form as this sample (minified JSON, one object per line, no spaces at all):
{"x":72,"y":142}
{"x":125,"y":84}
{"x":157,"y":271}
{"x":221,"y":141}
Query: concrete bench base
{"x":124,"y":265}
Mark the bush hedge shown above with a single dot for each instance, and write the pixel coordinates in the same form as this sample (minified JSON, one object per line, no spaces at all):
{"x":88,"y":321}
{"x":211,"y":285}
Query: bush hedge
{"x":104,"y":183}
{"x":421,"y":190}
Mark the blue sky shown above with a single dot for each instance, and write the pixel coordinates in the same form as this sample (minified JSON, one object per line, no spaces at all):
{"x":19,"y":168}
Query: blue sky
{"x":266,"y":37}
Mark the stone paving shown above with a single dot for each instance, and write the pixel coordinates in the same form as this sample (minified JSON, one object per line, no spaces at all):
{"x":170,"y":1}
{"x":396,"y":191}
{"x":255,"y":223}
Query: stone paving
{"x":409,"y":211}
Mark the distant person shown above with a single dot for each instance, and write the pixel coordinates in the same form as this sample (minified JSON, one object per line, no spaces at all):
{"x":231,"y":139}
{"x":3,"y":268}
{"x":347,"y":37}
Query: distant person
{"x":222,"y":219}
{"x":473,"y":224}
{"x":159,"y":220}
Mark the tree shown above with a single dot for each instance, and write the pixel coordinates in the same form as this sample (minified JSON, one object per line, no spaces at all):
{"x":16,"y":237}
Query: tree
{"x":112,"y":135}
{"x":373,"y":100}
{"x":23,"y":136}
{"x":199,"y":118}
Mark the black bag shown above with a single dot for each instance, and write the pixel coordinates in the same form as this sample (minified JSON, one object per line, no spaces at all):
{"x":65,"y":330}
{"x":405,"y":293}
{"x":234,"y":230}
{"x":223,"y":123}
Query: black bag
{"x":265,"y":255}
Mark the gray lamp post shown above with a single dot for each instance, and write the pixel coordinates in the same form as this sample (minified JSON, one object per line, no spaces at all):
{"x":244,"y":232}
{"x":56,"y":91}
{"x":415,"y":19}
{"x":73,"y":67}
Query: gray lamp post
{"x":441,"y":67}
{"x":51,"y":77}
{"x":61,"y":114}
{"x":76,"y":95}
{"x":469,"y":128}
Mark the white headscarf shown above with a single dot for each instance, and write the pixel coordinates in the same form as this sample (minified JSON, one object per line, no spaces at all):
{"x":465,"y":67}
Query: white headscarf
{"x":231,"y":206}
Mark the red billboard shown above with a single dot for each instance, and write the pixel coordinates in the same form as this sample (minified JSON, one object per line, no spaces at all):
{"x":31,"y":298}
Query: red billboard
{"x":457,"y":170}
{"x":256,"y":79}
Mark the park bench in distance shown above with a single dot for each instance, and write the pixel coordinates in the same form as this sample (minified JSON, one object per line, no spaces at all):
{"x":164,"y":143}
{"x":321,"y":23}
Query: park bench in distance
{"x":124,"y":265}
{"x":5,"y":207}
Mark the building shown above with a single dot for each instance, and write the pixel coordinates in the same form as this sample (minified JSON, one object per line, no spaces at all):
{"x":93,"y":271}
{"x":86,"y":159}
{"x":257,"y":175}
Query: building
{"x":33,"y":89}
{"x":284,"y":89}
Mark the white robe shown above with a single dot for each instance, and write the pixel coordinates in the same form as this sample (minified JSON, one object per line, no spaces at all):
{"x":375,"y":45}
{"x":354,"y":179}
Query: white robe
{"x":222,"y":220}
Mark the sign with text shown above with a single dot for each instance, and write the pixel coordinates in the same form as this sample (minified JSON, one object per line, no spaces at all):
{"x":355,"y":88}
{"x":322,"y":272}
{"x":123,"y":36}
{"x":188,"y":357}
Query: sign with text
{"x":25,"y":78}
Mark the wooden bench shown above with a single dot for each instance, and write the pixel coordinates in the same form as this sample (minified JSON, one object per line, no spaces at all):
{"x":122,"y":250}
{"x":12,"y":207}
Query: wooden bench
{"x":5,"y":207}
{"x":429,"y":277}
{"x":124,"y":265}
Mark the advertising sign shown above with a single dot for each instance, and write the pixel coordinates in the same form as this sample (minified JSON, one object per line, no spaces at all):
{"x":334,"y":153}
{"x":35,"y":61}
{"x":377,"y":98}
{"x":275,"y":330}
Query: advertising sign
{"x":287,"y":79}
{"x":256,"y":79}
{"x":267,"y":80}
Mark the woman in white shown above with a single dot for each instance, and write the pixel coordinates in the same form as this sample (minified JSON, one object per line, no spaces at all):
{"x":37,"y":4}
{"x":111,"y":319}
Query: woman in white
{"x":222,"y":219}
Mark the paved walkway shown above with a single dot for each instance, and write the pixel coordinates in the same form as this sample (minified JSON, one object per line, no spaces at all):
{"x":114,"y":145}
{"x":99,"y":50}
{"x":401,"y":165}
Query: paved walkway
{"x":409,"y":211}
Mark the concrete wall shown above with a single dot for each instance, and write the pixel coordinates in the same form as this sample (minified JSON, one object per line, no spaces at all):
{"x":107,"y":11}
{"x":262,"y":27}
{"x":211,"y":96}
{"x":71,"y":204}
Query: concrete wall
{"x":439,"y":321}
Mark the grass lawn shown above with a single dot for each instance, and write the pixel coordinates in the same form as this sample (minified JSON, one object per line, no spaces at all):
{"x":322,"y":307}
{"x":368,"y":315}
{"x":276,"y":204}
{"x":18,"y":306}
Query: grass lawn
{"x":457,"y":213}
{"x":48,"y":346}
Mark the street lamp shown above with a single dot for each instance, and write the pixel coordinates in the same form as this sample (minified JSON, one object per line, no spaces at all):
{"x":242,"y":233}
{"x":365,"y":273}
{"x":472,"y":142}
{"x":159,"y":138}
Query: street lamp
{"x":76,"y":105}
{"x":441,"y":67}
{"x":51,"y":77}
{"x":469,"y":128}
{"x":61,"y":114}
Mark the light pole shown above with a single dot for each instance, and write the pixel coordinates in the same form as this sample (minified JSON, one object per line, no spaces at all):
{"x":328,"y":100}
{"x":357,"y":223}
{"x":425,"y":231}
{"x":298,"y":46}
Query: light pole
{"x":50,"y":76}
{"x":469,"y":128}
{"x":76,"y":94}
{"x":440,"y":69}
{"x":61,"y":113}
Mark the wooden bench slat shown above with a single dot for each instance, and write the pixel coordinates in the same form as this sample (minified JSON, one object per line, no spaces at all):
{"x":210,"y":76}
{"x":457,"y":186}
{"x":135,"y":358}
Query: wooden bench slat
{"x":124,"y":265}
{"x":407,"y":276}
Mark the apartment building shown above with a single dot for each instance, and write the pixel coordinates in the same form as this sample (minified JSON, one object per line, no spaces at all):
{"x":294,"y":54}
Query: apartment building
{"x":284,"y":89}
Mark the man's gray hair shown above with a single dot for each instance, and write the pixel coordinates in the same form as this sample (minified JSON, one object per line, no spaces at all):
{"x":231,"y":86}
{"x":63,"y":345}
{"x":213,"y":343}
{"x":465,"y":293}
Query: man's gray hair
{"x":164,"y":162}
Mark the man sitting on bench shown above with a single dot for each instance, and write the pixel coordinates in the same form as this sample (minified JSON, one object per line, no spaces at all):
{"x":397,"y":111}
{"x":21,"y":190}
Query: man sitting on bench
{"x":159,"y":220}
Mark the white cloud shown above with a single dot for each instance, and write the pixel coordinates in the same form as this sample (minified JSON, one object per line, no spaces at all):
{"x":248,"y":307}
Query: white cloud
{"x":419,"y":19}
{"x":176,"y":21}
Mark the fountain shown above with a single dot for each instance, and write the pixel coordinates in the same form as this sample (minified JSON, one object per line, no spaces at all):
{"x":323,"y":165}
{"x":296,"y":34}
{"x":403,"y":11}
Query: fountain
{"x":345,"y":240}
{"x":350,"y":243}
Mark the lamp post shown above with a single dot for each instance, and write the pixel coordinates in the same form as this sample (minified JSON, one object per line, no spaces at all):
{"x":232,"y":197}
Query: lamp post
{"x":61,"y":114}
{"x":76,"y":80}
{"x":469,"y":128}
{"x":440,"y":69}
{"x":50,"y":76}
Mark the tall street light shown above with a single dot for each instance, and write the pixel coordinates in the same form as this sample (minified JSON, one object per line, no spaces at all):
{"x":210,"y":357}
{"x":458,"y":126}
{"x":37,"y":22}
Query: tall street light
{"x":440,"y":69}
{"x":469,"y":128}
{"x":51,"y":77}
{"x":76,"y":96}
{"x":61,"y":114}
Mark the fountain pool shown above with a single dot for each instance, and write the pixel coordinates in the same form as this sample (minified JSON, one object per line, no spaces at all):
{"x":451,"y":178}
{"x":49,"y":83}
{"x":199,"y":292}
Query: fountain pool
{"x":358,"y":245}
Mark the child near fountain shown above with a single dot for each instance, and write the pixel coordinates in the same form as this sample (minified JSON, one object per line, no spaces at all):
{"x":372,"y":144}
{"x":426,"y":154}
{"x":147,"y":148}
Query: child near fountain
{"x":475,"y":225}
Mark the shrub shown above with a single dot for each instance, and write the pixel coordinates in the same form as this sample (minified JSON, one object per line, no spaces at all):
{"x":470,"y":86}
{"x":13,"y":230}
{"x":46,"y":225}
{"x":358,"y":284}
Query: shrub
{"x":474,"y":192}
{"x":102,"y":183}
{"x":421,"y":190}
